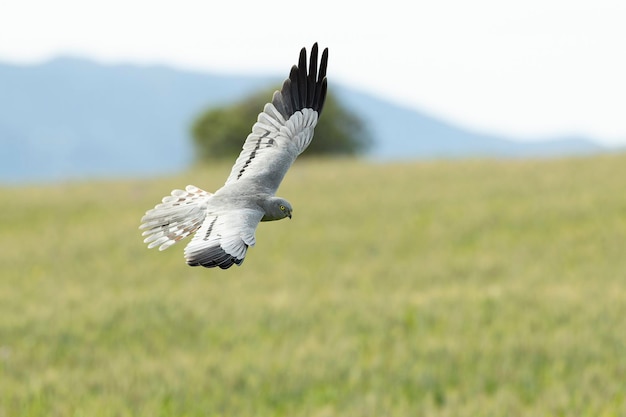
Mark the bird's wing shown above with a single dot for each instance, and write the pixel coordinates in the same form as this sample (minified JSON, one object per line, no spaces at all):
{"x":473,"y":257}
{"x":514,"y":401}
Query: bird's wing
{"x":224,"y":238}
{"x":176,"y":217}
{"x":285,"y":127}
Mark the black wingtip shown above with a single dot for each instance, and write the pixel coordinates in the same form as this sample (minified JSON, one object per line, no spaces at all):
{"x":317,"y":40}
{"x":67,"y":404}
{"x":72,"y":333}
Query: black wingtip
{"x":322,"y":99}
{"x":223,"y":262}
{"x":312,"y":77}
{"x":304,"y":89}
{"x":323,"y":65}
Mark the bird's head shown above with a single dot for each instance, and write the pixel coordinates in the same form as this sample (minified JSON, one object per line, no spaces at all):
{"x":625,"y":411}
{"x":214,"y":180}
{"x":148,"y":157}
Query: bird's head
{"x":276,"y":208}
{"x":285,"y":208}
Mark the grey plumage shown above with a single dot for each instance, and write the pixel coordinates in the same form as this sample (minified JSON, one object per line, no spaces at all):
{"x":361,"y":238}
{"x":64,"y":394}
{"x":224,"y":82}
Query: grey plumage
{"x":225,"y":222}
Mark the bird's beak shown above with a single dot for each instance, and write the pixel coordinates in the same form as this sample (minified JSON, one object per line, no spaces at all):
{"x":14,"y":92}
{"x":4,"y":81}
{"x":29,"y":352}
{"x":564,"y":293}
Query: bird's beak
{"x":289,"y":215}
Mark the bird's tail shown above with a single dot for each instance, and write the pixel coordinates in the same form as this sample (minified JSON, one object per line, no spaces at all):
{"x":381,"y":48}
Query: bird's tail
{"x":176,"y":217}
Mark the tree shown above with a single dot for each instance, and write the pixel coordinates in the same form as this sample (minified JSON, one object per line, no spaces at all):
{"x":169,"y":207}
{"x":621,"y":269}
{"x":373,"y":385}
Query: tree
{"x":220,"y":132}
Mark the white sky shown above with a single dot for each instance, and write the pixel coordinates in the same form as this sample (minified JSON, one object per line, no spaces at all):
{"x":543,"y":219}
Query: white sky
{"x":527,"y":69}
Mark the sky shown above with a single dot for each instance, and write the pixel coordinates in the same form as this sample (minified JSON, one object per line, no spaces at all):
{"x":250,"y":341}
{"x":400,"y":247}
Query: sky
{"x":527,"y":69}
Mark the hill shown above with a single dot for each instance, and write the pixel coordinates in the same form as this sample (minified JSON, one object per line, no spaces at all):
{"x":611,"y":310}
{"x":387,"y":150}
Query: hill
{"x":403,"y":134}
{"x":74,"y":118}
{"x":465,"y":288}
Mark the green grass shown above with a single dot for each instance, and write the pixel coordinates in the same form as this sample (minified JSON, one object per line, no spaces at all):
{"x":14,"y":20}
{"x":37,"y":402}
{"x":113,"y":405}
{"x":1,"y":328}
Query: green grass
{"x":468,"y":288}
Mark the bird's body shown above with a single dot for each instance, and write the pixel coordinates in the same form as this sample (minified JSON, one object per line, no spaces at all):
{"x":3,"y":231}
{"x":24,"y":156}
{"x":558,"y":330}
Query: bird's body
{"x":224,"y":222}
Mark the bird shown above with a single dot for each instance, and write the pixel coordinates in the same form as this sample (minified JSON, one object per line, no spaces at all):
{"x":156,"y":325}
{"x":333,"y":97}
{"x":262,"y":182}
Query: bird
{"x":225,"y":222}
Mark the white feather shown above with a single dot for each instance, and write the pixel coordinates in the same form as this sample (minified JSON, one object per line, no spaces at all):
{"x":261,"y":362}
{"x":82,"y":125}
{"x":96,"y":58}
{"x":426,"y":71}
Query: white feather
{"x":176,"y":217}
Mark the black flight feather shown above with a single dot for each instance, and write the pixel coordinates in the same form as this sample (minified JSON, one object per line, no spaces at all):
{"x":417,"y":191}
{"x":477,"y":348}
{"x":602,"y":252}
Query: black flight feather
{"x":303,"y":89}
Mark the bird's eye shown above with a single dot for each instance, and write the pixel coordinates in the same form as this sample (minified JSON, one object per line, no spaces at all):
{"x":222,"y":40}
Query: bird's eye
{"x":282,"y":207}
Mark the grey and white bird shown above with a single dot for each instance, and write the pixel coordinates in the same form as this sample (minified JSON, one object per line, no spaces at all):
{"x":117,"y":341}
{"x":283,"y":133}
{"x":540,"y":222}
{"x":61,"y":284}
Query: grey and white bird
{"x":224,"y":223}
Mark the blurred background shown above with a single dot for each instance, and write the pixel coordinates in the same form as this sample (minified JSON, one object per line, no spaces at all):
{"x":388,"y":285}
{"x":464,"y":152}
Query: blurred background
{"x":457,"y":246}
{"x":110,"y":88}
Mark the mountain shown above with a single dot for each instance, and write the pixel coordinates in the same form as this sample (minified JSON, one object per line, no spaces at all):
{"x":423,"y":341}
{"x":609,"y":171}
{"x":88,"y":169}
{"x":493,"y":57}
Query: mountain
{"x":70,"y":118}
{"x":404,"y":133}
{"x":74,"y":118}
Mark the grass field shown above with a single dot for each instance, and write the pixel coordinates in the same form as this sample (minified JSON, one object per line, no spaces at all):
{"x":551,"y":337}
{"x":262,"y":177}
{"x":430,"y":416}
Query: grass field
{"x":467,"y":288}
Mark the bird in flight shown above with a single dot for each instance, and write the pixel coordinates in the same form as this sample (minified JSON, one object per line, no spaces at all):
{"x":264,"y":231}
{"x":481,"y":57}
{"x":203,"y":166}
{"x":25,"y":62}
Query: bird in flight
{"x":224,"y":222}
